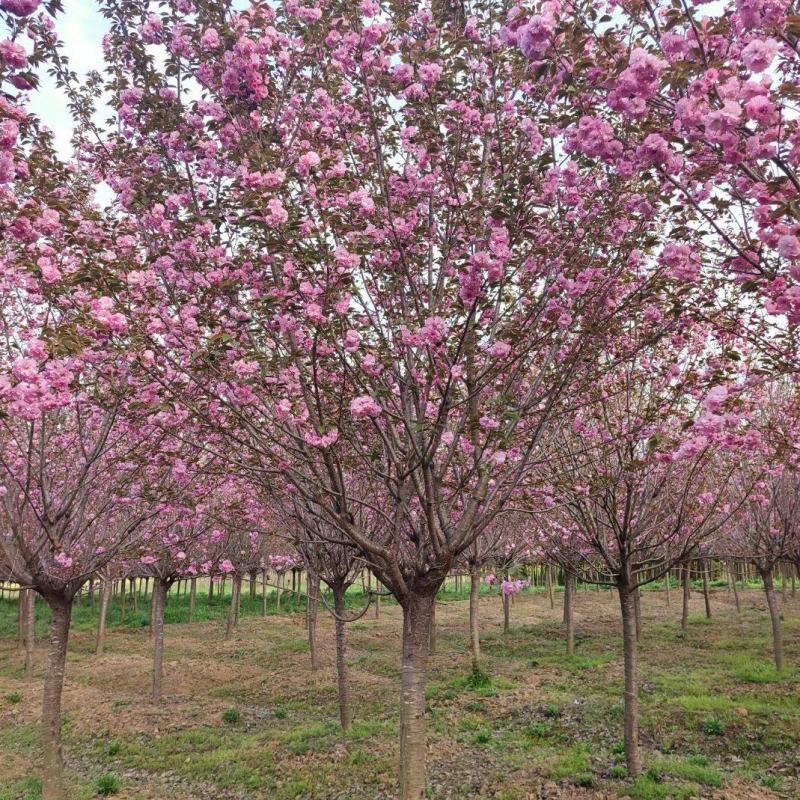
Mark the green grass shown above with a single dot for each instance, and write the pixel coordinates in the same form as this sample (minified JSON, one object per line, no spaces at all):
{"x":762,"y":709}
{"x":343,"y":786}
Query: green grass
{"x":713,"y":710}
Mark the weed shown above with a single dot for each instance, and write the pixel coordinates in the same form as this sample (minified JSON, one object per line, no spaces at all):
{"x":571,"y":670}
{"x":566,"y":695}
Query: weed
{"x":713,"y":726}
{"x":231,"y":716}
{"x":478,"y":679}
{"x":13,"y":697}
{"x":106,"y":785}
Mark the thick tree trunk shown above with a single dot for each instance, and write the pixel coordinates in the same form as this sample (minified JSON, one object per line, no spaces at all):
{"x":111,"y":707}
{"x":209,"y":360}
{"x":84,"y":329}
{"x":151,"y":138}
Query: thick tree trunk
{"x":311,"y":617}
{"x":279,"y":582}
{"x":629,"y":644}
{"x":706,"y":597}
{"x":474,"y":625}
{"x":667,"y":584}
{"x":378,"y":588}
{"x":263,"y":593}
{"x":253,"y":575}
{"x":569,"y":616}
{"x":134,"y":595}
{"x":343,"y":681}
{"x":685,"y":606}
{"x":105,"y":597}
{"x":233,"y":611}
{"x":192,"y":598}
{"x":417,"y":615}
{"x":775,"y":617}
{"x":506,"y":613}
{"x":550,"y":586}
{"x":53,"y":771}
{"x":637,"y":610}
{"x":30,"y":631}
{"x":160,"y":588}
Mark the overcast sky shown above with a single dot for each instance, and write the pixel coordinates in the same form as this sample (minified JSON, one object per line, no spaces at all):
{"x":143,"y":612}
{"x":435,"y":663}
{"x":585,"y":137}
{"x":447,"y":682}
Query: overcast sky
{"x":81,"y":28}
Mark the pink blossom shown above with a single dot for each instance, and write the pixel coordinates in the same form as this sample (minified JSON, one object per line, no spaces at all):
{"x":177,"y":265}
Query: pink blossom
{"x":535,"y":37}
{"x":277,"y":213}
{"x":100,"y":309}
{"x":430,"y":73}
{"x":510,"y":588}
{"x":789,"y":246}
{"x":364,"y":406}
{"x":499,"y":349}
{"x":226,"y":566}
{"x":20,"y":8}
{"x":352,"y":341}
{"x":758,"y":54}
{"x":434,"y":330}
{"x":210,"y":39}
{"x":321,"y":442}
{"x":307,"y":162}
{"x":12,"y":54}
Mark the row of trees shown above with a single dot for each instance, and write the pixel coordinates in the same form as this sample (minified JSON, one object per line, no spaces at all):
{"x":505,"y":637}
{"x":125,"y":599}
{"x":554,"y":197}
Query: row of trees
{"x":400,"y":285}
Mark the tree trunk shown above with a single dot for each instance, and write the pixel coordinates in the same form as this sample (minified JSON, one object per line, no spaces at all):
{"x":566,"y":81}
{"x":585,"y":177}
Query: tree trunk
{"x":30,"y":631}
{"x":685,"y":607}
{"x":775,"y":617}
{"x":160,"y":587}
{"x":637,"y":610}
{"x":417,"y":616}
{"x":735,"y":589}
{"x":343,"y":681}
{"x":253,"y":574}
{"x":134,"y":595}
{"x":311,"y":617}
{"x":192,"y":598}
{"x":629,"y":643}
{"x":105,"y":597}
{"x":667,"y":584}
{"x":706,"y":598}
{"x":279,"y":582}
{"x":263,"y":593}
{"x":123,"y":599}
{"x":233,"y":611}
{"x":506,"y":613}
{"x":474,"y":626}
{"x":569,"y":617}
{"x":22,"y":615}
{"x":378,"y":588}
{"x":550,"y":586}
{"x":53,"y":774}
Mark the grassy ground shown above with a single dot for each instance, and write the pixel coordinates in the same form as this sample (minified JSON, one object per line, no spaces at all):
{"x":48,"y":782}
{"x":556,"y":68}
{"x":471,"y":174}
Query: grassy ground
{"x":249,"y":719}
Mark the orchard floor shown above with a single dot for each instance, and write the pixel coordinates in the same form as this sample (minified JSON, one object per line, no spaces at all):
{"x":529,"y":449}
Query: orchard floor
{"x":716,"y":721}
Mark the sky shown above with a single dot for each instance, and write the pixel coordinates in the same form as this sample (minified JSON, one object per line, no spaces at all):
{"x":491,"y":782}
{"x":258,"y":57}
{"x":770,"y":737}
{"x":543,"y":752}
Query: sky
{"x":81,"y":28}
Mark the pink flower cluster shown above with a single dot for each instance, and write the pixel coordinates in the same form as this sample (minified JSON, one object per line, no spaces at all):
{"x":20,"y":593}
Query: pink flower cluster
{"x":511,"y":588}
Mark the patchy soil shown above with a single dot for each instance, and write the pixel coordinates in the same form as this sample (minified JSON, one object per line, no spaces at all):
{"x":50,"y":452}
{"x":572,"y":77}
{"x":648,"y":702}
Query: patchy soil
{"x":717,"y":722}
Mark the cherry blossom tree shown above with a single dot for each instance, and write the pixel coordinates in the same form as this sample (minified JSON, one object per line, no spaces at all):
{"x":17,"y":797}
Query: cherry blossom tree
{"x":375,"y":266}
{"x":641,"y":478}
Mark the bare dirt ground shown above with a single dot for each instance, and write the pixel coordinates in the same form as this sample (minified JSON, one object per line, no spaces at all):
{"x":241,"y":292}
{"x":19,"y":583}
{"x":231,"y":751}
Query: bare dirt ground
{"x":716,"y":722}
